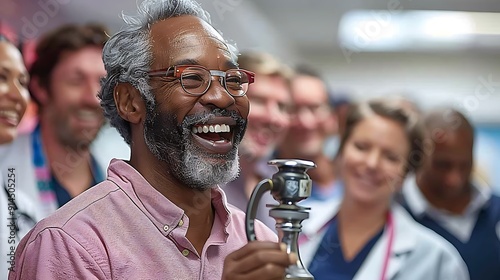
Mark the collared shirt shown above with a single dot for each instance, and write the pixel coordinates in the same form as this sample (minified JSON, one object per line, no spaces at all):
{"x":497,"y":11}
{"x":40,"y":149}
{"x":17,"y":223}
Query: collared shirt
{"x":461,"y":226}
{"x":123,"y":228}
{"x":477,"y":238}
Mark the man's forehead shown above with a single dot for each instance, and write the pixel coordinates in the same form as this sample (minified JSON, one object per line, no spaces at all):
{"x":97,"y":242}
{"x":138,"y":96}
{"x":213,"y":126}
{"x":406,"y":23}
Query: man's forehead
{"x":87,"y":59}
{"x":184,"y":32}
{"x":197,"y":40}
{"x":446,"y":152}
{"x":452,"y":159}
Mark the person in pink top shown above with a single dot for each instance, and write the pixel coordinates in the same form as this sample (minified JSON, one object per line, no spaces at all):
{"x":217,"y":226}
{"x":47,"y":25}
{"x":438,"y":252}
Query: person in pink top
{"x":174,"y":92}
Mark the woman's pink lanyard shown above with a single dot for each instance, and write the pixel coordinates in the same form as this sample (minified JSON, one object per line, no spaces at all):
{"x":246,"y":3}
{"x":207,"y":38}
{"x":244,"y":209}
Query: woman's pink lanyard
{"x":390,"y":229}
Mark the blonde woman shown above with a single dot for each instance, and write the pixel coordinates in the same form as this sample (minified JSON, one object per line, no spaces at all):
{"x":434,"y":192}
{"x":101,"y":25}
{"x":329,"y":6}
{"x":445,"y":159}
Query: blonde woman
{"x":367,"y":236}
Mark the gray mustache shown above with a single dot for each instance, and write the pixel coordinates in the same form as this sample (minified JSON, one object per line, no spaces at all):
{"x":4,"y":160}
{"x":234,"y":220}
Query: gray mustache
{"x":206,"y":116}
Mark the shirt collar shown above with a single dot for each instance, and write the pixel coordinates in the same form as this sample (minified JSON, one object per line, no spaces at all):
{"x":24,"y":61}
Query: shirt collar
{"x":480,"y":196}
{"x":419,"y":205}
{"x":414,"y":197}
{"x":219,"y":201}
{"x":164,"y":214}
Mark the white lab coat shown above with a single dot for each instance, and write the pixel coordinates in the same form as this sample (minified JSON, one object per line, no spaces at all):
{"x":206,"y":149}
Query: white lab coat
{"x":417,"y":252}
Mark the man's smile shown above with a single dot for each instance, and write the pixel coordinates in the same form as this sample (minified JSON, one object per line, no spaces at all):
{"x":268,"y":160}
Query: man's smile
{"x":215,"y":134}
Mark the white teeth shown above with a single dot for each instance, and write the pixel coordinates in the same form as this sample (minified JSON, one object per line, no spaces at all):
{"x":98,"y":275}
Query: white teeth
{"x":87,"y":114}
{"x":12,"y":115}
{"x":9,"y":114}
{"x":211,"y":128}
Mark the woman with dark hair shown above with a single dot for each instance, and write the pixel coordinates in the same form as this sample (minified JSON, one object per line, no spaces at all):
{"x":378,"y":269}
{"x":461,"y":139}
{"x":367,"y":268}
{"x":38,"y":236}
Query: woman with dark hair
{"x":14,"y":222}
{"x":14,"y":93}
{"x":366,"y":235}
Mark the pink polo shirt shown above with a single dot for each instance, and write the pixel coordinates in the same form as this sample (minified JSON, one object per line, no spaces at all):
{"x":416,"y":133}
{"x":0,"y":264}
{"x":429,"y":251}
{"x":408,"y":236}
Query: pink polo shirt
{"x":123,"y":228}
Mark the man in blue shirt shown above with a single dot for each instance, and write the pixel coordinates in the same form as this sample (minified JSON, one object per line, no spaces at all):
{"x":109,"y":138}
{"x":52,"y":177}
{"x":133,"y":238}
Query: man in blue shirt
{"x":444,"y":197}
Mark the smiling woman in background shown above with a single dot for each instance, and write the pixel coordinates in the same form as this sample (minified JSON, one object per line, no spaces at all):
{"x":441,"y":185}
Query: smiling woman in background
{"x":13,"y":90}
{"x":13,"y":102}
{"x":367,"y":236}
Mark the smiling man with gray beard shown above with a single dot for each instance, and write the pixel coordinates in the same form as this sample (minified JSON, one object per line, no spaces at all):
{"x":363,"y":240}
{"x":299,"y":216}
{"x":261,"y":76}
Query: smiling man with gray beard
{"x":173,"y":143}
{"x":175,"y":93}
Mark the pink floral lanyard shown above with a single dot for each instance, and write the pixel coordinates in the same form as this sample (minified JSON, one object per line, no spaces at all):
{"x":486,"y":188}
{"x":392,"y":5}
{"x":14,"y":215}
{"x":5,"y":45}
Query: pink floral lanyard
{"x":390,"y":230}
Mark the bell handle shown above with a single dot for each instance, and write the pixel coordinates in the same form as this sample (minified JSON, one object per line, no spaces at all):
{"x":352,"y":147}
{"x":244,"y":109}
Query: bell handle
{"x":253,"y":203}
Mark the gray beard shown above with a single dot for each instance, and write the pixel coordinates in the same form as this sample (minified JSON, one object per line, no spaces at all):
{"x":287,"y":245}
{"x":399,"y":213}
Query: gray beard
{"x":191,"y":165}
{"x":199,"y":173}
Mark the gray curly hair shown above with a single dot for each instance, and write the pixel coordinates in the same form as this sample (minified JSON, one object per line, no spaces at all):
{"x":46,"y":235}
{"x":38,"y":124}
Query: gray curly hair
{"x":127,"y":54}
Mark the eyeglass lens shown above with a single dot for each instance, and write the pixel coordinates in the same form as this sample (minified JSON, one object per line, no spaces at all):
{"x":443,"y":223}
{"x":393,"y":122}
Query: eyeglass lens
{"x":196,"y":81}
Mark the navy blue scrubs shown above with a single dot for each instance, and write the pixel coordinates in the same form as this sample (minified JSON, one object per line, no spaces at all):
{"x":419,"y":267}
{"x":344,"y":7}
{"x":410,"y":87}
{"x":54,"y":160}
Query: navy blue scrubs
{"x":329,"y":263}
{"x":63,"y":195}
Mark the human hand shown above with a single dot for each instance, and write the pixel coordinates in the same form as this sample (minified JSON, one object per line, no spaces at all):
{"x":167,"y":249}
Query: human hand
{"x":258,"y":260}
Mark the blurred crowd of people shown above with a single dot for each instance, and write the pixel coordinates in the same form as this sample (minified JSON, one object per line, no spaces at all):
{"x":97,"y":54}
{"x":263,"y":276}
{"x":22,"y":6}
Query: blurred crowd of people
{"x":393,"y":194}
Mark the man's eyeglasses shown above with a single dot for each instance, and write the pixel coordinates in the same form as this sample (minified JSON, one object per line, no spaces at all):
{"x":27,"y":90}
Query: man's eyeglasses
{"x":319,"y":111}
{"x":196,"y":80}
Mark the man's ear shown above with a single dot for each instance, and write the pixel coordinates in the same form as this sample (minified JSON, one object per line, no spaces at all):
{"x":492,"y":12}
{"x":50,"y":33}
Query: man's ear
{"x":38,"y":91}
{"x":129,"y":103}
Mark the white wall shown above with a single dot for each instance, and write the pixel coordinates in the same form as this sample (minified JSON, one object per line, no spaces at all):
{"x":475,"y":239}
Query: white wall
{"x":468,"y":81}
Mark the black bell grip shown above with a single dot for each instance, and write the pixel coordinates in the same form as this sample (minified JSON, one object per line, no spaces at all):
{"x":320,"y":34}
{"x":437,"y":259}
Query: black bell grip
{"x":262,"y":187}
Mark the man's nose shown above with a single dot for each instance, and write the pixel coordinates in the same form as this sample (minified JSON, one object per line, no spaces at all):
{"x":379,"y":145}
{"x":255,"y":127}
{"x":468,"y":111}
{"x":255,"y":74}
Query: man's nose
{"x":304,"y":118}
{"x":217,"y":95}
